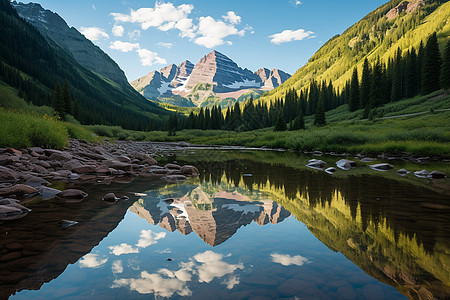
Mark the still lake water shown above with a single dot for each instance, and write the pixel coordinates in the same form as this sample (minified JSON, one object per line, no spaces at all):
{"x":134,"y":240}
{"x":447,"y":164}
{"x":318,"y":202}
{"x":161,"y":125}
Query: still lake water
{"x":253,"y":225}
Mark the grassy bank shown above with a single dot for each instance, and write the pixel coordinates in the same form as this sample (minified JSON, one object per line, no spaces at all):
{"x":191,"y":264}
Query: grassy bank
{"x":26,"y":129}
{"x":425,"y":134}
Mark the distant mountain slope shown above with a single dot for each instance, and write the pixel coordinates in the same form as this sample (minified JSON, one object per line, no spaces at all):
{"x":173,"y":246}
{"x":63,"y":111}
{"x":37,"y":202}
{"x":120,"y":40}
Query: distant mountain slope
{"x":214,"y":78}
{"x":33,"y":64}
{"x":88,"y":55}
{"x":396,"y":24}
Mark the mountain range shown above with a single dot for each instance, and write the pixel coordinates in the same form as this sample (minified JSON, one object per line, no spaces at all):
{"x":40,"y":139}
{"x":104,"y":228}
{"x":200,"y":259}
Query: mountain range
{"x":54,"y":52}
{"x":215,"y":77}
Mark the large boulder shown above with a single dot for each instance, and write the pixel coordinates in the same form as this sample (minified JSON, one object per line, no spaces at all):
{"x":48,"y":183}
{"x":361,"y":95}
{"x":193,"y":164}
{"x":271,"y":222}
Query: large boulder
{"x":124,"y":159}
{"x":316,"y":164}
{"x":118,"y":165}
{"x":73,"y":194}
{"x":422,"y":174}
{"x":436,"y":175}
{"x":8,"y":175}
{"x":189,"y":170}
{"x":18,"y":189}
{"x":71,"y":164}
{"x":58,"y":155}
{"x":85,"y":169}
{"x":172,"y":167}
{"x":345,"y":164}
{"x":35,"y":181}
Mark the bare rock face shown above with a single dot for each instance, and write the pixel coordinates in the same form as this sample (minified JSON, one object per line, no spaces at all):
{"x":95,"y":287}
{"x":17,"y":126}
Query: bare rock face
{"x":405,"y":6}
{"x":222,"y":73}
{"x":53,"y":27}
{"x":272,"y":79}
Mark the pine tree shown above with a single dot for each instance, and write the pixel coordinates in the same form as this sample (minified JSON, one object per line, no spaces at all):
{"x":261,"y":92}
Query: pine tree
{"x":365,"y":85}
{"x":431,"y":68}
{"x":319,"y":117}
{"x":354,"y":96}
{"x":57,"y":100}
{"x":445,"y":72}
{"x":376,"y":88}
{"x":299,"y":122}
{"x":397,"y":87}
{"x":67,"y":99}
{"x":411,"y":80}
{"x":280,"y":124}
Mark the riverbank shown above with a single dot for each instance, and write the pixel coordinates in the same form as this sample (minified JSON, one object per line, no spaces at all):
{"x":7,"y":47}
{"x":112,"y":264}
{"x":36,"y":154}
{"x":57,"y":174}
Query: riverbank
{"x":28,"y":172}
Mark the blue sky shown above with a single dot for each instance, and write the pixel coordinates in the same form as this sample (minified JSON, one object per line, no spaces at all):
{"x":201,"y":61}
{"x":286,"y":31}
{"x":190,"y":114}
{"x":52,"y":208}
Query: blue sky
{"x":142,"y":35}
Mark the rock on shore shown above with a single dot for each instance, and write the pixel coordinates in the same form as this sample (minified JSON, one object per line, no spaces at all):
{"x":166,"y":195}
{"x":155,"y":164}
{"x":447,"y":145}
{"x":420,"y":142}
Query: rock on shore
{"x":26,"y":172}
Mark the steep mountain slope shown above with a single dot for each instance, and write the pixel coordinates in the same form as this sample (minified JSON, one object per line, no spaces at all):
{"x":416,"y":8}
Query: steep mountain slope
{"x":52,"y":26}
{"x":213,"y":79}
{"x":33,"y":64}
{"x":396,"y":24}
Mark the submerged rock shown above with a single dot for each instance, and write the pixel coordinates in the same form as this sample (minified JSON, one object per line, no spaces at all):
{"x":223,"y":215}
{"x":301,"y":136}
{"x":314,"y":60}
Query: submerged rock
{"x":73,"y":194}
{"x":48,"y":193}
{"x":67,"y":223}
{"x":382,"y":167}
{"x":174,"y":178}
{"x":111,"y":197}
{"x":345,"y":164}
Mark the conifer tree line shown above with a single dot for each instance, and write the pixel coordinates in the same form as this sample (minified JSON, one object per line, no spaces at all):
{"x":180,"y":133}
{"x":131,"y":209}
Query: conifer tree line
{"x":420,"y":71}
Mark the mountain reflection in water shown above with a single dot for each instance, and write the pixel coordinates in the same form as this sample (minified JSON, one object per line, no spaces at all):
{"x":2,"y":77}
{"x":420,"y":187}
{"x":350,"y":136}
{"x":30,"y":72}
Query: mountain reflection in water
{"x":395,"y":230}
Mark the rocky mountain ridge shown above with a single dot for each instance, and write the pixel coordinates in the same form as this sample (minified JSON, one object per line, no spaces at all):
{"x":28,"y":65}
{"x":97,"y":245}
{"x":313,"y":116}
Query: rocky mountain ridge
{"x":215,"y":75}
{"x":55,"y":28}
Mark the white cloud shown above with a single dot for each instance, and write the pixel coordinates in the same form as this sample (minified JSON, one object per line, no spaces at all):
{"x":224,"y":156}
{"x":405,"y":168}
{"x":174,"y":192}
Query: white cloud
{"x":117,"y":267}
{"x":287,"y":260}
{"x":123,"y":249}
{"x":165,"y":45}
{"x":124,"y":46}
{"x":154,"y":284}
{"x":165,"y":251}
{"x":93,"y":7}
{"x":149,"y":58}
{"x":148,"y":238}
{"x":186,"y":28}
{"x":118,"y":30}
{"x":232,"y":18}
{"x":92,"y":261}
{"x":134,"y":35}
{"x":231,"y":282}
{"x":296,"y":2}
{"x":93,"y":33}
{"x":290,"y":35}
{"x":212,"y":33}
{"x":166,"y":283}
{"x":213,"y":266}
{"x":164,"y":16}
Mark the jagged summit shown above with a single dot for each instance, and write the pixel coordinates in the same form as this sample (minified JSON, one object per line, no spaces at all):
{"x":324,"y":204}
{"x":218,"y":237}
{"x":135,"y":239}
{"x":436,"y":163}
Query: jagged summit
{"x":214,"y":75}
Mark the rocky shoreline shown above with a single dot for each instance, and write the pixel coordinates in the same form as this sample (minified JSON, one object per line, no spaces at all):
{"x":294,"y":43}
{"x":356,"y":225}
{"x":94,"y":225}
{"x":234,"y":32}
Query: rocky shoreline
{"x":27,"y":172}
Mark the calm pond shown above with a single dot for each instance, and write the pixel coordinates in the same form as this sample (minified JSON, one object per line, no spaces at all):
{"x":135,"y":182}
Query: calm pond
{"x":255,"y":224}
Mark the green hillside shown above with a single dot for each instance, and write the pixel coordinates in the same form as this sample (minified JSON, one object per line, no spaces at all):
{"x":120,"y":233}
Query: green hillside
{"x":33,"y":65}
{"x":373,"y":37}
